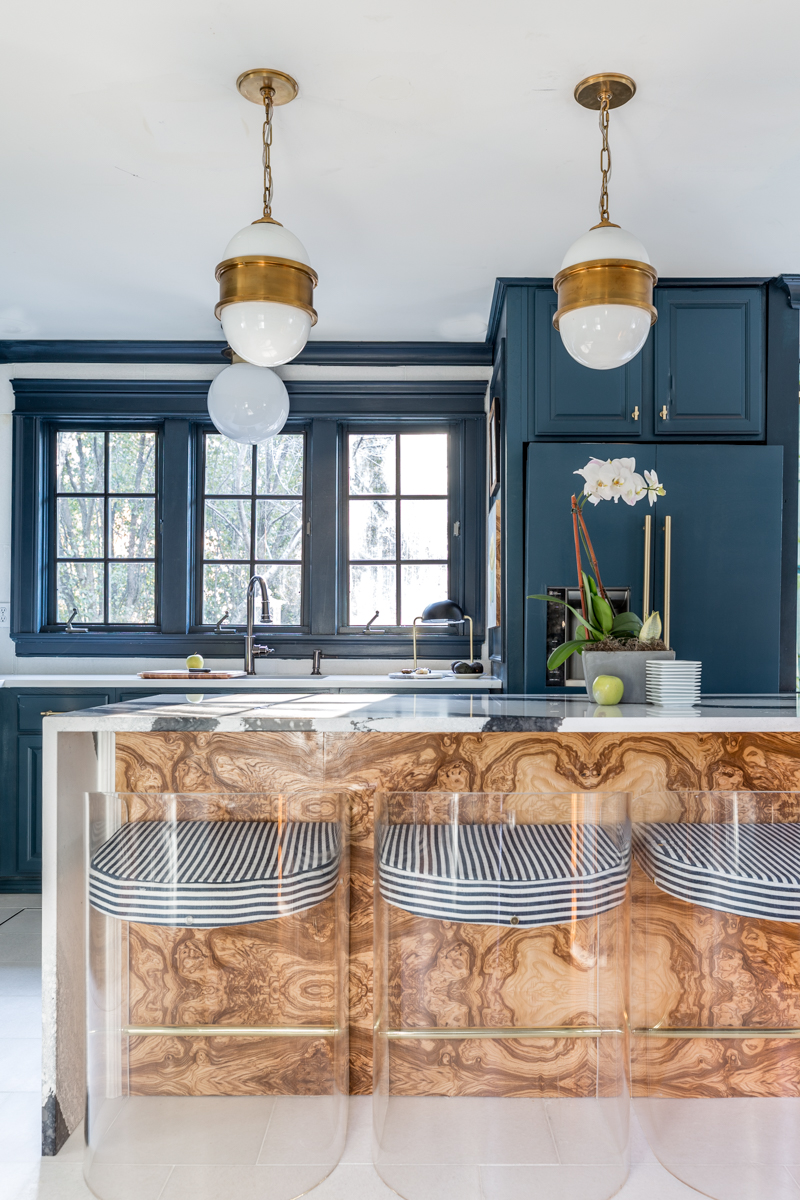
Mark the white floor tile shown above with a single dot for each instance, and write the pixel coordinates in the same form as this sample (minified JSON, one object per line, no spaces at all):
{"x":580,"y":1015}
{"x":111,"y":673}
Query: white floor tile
{"x":72,"y":1150}
{"x":358,"y":1148}
{"x":354,"y":1182}
{"x":652,"y":1182}
{"x":590,"y":1131}
{"x":305,"y":1129}
{"x":741,"y":1182}
{"x":754,"y":1131}
{"x":641,"y":1151}
{"x":187,"y":1129}
{"x":20,"y":1127}
{"x":21,"y":939}
{"x":241,"y":1182}
{"x":20,"y":1016}
{"x":466,"y":1130}
{"x":20,"y":1064}
{"x":435,"y":1183}
{"x":64,"y":1181}
{"x":20,"y":981}
{"x":560,"y":1182}
{"x":19,"y":1181}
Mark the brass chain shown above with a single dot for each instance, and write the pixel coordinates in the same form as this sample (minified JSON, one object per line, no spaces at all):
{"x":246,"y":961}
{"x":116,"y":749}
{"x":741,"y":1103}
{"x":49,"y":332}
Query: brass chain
{"x":605,"y":158}
{"x":267,"y":94}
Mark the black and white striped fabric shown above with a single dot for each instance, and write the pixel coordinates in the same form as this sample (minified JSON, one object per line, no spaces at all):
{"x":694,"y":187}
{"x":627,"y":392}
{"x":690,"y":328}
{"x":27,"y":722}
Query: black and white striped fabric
{"x":524,"y":875}
{"x":748,"y":870}
{"x":212,"y":873}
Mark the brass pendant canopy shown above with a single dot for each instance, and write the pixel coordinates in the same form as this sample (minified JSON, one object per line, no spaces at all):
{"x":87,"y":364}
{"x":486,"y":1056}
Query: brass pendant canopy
{"x":619,"y":89}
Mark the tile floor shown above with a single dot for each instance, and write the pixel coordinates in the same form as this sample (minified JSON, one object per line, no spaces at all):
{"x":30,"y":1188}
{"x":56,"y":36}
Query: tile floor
{"x":26,"y":1176}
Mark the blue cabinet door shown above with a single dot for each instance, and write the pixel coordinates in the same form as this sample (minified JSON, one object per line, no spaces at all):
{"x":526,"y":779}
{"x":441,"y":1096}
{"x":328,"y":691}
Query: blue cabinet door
{"x":709,"y":362}
{"x":29,"y":805}
{"x":726,"y":504}
{"x":616,"y":531}
{"x":570,"y":399}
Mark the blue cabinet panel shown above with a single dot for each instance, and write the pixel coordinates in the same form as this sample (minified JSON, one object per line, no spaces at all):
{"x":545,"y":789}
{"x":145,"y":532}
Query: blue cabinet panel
{"x":616,"y":530}
{"x":709,"y":362}
{"x":569,"y":398}
{"x":29,"y":805}
{"x":726,"y":561}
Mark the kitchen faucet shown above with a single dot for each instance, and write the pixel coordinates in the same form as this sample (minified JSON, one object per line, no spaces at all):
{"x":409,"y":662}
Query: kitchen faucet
{"x":252,"y":650}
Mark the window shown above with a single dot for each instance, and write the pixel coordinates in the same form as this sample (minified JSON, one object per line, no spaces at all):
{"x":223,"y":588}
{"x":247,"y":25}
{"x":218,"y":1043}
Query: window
{"x":253,"y":525}
{"x":104,"y":527}
{"x":398,"y":525}
{"x":150,"y":524}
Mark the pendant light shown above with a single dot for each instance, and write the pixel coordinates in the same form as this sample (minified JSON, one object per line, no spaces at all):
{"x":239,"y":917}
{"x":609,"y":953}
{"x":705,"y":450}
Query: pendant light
{"x":248,"y":404}
{"x":266,"y":285}
{"x":605,"y":285}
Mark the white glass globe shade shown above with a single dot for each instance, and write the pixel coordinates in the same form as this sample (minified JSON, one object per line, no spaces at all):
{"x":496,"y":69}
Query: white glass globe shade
{"x":263,"y":238}
{"x":605,"y":242}
{"x":248,"y":404}
{"x":604,"y":336}
{"x":264,"y":332}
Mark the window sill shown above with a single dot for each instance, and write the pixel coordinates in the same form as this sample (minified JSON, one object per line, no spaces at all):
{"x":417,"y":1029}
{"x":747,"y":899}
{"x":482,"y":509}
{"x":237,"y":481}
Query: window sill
{"x":230,"y":645}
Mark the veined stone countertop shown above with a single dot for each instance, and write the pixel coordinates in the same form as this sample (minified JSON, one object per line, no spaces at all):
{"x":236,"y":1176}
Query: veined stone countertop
{"x":260,"y":683}
{"x":370,"y":712}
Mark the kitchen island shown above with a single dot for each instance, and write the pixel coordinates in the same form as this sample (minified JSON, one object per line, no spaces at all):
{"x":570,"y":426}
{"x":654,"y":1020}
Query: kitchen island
{"x":359,"y":744}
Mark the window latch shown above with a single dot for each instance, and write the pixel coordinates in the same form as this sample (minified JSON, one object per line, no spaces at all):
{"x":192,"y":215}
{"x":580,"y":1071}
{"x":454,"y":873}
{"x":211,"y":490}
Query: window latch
{"x":456,"y":529}
{"x":308,"y":528}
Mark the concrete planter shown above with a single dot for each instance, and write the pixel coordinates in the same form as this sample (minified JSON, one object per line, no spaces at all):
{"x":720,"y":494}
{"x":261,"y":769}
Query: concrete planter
{"x":628,"y":665}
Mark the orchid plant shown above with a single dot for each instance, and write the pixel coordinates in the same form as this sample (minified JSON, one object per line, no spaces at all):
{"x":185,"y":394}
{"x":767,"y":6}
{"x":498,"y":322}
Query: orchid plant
{"x":610,"y":479}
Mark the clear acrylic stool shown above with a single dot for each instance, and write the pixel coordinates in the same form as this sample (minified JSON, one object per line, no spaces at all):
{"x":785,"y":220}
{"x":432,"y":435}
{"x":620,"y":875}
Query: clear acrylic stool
{"x":715,"y":1002}
{"x":501,"y":993}
{"x":217,"y":1048}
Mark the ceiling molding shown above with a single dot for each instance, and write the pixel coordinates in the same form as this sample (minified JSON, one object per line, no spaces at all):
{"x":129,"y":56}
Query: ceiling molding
{"x":791,"y":285}
{"x":368,"y":354}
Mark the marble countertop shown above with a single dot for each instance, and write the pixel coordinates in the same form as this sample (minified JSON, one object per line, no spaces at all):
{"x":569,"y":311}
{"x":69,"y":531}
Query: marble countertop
{"x":366,"y":712}
{"x":260,"y":683}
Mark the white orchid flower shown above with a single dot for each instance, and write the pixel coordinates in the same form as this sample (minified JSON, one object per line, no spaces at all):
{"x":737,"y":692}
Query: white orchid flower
{"x":654,"y":488}
{"x":634,"y":489}
{"x":599,"y":479}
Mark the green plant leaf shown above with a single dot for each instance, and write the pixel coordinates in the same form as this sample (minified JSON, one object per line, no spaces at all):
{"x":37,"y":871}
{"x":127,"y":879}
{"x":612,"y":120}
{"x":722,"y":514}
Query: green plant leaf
{"x":591,"y":584}
{"x":604,"y":614}
{"x":651,"y":628}
{"x":626,"y":622}
{"x":589,"y":598}
{"x":562,"y":653}
{"x":593,"y":630}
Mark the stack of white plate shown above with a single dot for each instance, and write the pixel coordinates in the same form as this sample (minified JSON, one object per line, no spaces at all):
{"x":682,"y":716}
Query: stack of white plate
{"x":673,"y":684}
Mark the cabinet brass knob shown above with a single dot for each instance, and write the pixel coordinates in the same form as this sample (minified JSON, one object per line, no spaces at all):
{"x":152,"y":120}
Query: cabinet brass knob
{"x":635,"y":413}
{"x":663,"y":413}
{"x":50,"y":712}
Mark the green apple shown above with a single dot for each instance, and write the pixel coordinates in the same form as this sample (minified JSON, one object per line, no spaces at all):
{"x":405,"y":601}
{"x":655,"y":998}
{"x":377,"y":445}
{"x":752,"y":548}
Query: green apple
{"x":607,"y":689}
{"x":194,"y":662}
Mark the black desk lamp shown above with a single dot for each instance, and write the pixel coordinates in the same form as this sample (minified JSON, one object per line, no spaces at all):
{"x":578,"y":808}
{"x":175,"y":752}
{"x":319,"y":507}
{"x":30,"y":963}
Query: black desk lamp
{"x":442,"y":612}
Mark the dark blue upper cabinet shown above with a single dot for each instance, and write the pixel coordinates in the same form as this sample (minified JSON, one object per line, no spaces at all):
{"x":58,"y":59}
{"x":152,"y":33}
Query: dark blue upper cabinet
{"x":572,"y":400}
{"x":709,"y":362}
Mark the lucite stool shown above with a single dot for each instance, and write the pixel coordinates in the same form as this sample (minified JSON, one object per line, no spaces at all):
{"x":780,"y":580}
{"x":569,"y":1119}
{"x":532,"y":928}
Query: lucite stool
{"x":501,"y":983}
{"x":217,"y":1039}
{"x":715,"y":999}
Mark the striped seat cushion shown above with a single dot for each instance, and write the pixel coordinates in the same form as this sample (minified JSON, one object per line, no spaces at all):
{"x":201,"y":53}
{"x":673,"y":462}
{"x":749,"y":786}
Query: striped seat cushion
{"x":212,"y":873}
{"x":524,"y":875}
{"x":748,"y":870}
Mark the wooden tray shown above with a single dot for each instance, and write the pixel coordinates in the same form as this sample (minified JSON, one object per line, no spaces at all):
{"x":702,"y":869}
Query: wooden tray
{"x":198,"y":676}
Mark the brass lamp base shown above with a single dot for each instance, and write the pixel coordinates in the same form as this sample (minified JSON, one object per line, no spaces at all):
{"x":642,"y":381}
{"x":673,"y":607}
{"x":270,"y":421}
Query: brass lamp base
{"x":605,"y":281}
{"x":619,"y":88}
{"x":284,"y":88}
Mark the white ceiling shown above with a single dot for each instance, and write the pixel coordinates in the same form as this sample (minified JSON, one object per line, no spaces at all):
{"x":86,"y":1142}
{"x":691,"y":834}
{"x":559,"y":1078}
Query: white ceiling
{"x":435,"y":145}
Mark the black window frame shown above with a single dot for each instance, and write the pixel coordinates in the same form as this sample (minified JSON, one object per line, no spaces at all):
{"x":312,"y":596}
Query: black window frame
{"x":50,"y":523}
{"x":178,"y":410}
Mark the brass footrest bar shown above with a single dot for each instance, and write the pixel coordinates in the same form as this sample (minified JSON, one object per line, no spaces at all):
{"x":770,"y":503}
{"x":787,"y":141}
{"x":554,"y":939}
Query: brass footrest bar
{"x":500,"y":1031}
{"x":229,"y":1031}
{"x":726,"y":1032}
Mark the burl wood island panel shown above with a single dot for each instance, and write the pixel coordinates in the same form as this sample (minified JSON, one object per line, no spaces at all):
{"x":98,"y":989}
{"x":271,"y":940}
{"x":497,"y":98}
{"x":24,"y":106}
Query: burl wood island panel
{"x":471,"y":974}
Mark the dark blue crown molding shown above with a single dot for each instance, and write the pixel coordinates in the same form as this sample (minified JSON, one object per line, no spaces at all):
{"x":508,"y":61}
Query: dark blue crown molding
{"x":355,"y":354}
{"x":791,"y":285}
{"x":504,"y":283}
{"x":150,"y":398}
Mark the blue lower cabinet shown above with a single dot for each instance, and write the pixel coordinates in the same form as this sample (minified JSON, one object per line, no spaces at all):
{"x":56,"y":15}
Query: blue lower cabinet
{"x":29,"y":805}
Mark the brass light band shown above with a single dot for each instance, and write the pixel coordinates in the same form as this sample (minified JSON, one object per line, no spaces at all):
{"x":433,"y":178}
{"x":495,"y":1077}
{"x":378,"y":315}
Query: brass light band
{"x":727,"y":1032}
{"x":605,"y":281}
{"x":450,"y":1034}
{"x":229,"y":1031}
{"x":259,"y":277}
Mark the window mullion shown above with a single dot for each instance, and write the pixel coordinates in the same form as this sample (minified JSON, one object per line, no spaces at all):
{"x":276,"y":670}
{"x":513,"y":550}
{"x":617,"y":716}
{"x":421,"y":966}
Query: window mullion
{"x":174,"y":516}
{"x":323,"y":488}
